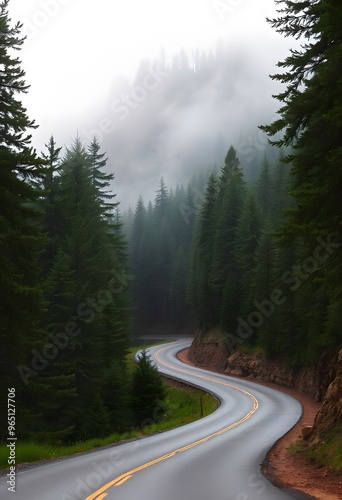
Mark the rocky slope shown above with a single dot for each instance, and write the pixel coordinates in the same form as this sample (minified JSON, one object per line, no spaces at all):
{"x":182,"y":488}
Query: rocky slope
{"x":322,"y":382}
{"x":209,"y":351}
{"x":330,"y":413}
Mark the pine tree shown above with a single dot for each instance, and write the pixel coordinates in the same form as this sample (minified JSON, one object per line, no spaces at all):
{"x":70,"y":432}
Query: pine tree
{"x":86,"y":292}
{"x":161,"y":202}
{"x":138,"y":259}
{"x":48,"y":202}
{"x":247,"y":238}
{"x":309,"y":121}
{"x":199,"y":293}
{"x":52,"y":168}
{"x":265,"y":188}
{"x":282,"y":200}
{"x":263,"y":285}
{"x":178,"y":284}
{"x":20,"y":236}
{"x":145,"y":266}
{"x":101,"y":180}
{"x":148,"y":392}
{"x":138,"y":224}
{"x":164,"y":251}
{"x":225,"y":278}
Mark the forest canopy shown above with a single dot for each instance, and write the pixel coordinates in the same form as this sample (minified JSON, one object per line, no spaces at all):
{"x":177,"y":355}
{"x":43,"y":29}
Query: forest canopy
{"x":257,"y":257}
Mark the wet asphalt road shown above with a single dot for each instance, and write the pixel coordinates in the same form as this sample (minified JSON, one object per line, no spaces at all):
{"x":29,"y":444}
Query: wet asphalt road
{"x":215,"y":458}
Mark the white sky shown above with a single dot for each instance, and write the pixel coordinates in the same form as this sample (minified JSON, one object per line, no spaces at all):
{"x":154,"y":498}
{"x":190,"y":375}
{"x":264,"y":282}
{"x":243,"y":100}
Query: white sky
{"x":75,"y":48}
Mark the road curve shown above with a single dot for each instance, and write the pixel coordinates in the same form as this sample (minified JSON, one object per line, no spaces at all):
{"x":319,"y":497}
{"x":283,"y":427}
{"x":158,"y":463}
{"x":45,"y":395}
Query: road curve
{"x":215,"y":458}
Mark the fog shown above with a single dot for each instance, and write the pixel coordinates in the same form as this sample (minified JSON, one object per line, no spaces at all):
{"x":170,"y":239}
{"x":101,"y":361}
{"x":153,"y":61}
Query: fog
{"x":166,"y":88}
{"x":183,"y":115}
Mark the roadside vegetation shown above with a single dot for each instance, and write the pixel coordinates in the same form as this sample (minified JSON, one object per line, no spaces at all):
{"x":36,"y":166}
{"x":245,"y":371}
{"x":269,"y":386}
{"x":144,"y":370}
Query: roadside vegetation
{"x":253,"y":252}
{"x":327,"y":453}
{"x":181,"y":406}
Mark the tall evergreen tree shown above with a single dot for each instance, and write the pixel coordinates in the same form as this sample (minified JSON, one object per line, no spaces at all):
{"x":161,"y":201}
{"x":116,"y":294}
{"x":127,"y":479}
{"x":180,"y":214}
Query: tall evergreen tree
{"x":265,"y":188}
{"x":101,"y":180}
{"x":199,"y":292}
{"x":48,"y":202}
{"x":247,"y":238}
{"x":225,"y":278}
{"x":138,"y":259}
{"x":86,"y":292}
{"x":20,"y":236}
{"x":178,"y":283}
{"x":309,"y":120}
{"x":148,"y":391}
{"x":161,"y":202}
{"x":263,"y":284}
{"x":164,"y":251}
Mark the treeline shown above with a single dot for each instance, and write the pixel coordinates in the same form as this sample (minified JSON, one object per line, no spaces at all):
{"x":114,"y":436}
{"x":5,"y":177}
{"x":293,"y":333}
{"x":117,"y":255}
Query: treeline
{"x":260,"y":261}
{"x":65,"y":307}
{"x":265,"y":265}
{"x":85,"y":289}
{"x":69,"y":357}
{"x":217,"y":257}
{"x":160,"y":237}
{"x":179,"y":244}
{"x":248,"y":284}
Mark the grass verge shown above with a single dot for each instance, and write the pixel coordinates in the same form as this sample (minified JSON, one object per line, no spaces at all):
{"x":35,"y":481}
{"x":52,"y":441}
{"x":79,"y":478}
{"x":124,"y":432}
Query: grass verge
{"x":328,"y":453}
{"x":182,"y":406}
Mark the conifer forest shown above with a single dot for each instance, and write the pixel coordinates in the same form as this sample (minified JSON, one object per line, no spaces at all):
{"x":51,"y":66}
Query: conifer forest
{"x":252,"y":251}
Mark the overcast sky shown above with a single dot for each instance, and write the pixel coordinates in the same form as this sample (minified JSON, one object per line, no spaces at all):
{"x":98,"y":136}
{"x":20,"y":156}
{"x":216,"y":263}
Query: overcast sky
{"x":77,"y":49}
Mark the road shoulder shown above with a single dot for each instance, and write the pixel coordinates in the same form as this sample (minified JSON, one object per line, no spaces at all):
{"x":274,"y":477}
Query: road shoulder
{"x":282,"y":467}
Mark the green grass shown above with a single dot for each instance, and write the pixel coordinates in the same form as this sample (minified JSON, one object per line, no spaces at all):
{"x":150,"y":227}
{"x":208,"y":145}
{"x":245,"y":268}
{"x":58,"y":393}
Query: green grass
{"x":182,"y":406}
{"x":328,"y":453}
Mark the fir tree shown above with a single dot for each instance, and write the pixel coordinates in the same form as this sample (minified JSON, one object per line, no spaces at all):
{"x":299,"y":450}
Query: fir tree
{"x":48,"y":202}
{"x":101,"y":180}
{"x":148,"y":392}
{"x":309,"y":121}
{"x":225,"y":279}
{"x":199,"y":292}
{"x":87,"y":293}
{"x":20,"y":236}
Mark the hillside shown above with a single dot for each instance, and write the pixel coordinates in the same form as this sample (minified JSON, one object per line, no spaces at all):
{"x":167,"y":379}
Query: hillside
{"x":312,"y":464}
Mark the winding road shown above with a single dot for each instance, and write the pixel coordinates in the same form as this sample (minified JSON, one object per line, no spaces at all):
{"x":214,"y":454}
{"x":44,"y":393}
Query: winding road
{"x":215,"y":458}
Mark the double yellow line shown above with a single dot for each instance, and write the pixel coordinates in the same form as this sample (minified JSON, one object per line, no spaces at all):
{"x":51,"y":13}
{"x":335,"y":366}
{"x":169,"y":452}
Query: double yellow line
{"x":100,"y":494}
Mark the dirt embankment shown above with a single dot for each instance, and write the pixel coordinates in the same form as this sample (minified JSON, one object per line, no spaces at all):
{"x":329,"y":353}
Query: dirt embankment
{"x":319,"y":389}
{"x":330,"y":413}
{"x":314,"y":381}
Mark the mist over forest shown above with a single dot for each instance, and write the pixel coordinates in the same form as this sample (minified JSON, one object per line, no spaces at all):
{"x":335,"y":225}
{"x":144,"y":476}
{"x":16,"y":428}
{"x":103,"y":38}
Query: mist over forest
{"x":165,"y":210}
{"x":181,"y":115}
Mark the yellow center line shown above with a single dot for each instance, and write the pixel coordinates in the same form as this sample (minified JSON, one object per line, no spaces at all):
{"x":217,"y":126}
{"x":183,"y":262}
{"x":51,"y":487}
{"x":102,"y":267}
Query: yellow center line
{"x":100,"y":494}
{"x":122,"y":481}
